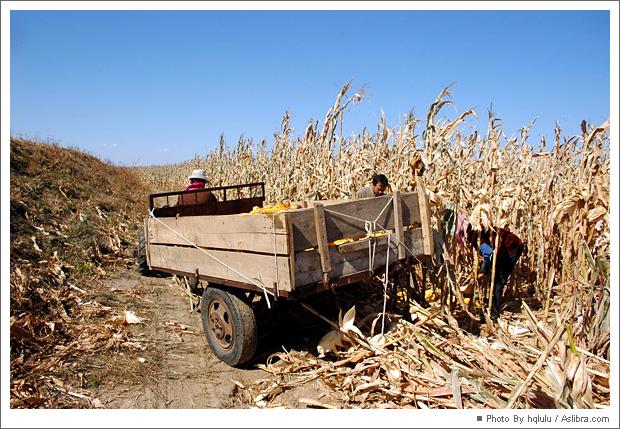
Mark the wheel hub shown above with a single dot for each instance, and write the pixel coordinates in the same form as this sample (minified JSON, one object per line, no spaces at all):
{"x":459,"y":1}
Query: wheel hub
{"x":220,"y":324}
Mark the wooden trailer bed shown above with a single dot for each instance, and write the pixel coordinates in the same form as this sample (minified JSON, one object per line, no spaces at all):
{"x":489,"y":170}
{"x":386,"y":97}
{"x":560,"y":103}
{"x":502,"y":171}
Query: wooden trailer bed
{"x":288,"y":253}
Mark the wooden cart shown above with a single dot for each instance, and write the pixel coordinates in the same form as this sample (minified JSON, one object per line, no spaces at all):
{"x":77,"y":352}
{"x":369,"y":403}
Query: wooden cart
{"x":285,"y":255}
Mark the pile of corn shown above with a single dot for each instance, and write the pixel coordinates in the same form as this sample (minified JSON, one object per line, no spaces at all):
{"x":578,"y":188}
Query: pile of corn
{"x":278,"y":207}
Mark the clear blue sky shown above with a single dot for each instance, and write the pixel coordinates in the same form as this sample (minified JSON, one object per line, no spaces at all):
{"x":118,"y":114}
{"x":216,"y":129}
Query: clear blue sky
{"x":150,"y":87}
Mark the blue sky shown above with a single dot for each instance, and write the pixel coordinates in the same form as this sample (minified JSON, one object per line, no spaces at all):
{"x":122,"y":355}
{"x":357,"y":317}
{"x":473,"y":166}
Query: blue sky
{"x":151,"y":87}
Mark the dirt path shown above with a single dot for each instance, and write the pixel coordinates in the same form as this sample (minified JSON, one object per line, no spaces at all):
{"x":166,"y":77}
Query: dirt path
{"x":179,"y":369}
{"x":171,"y":364}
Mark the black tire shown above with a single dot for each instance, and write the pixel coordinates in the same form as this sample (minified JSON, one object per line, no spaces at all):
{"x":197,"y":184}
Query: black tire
{"x":143,"y":266}
{"x":229,"y":324}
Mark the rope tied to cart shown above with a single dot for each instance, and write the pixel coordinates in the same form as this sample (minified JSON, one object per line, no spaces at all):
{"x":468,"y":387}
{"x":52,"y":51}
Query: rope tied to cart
{"x":371,"y":228}
{"x":263,"y":288}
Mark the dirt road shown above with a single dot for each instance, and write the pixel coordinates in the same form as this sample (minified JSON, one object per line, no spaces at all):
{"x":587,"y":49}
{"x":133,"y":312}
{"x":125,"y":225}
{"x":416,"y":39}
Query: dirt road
{"x":177,"y":368}
{"x":171,"y":364}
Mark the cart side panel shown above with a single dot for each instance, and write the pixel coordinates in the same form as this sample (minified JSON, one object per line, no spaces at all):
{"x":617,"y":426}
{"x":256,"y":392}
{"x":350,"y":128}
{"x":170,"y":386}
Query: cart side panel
{"x":308,"y":264}
{"x":251,"y":233}
{"x":258,"y":267}
{"x":337,"y":226}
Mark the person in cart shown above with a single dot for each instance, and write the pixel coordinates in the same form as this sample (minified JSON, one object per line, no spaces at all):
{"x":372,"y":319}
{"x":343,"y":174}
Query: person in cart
{"x":198,"y":180}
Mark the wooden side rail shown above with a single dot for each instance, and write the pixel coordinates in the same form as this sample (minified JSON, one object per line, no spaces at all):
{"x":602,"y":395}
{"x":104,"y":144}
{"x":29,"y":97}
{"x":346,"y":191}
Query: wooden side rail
{"x":321,"y":238}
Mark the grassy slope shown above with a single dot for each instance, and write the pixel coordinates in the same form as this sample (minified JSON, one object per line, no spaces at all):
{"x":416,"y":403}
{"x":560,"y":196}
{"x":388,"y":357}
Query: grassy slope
{"x":72,"y":218}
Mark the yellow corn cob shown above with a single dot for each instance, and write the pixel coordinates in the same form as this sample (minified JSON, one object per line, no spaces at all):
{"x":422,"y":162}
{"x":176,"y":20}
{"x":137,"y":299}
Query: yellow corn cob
{"x":432,"y":294}
{"x":274,"y":208}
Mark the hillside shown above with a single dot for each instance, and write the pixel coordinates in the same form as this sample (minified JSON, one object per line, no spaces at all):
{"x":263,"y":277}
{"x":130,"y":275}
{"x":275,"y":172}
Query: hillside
{"x":73,"y":218}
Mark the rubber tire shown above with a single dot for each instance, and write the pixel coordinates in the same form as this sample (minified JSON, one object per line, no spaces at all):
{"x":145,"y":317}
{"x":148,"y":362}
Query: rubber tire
{"x":243,"y":323}
{"x":143,"y":266}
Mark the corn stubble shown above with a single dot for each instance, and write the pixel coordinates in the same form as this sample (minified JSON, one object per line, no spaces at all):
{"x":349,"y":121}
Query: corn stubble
{"x":554,"y":196}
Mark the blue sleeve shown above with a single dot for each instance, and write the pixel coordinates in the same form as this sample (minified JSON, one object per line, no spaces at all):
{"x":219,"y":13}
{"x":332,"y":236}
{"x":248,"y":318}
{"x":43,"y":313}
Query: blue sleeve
{"x":487,"y":254}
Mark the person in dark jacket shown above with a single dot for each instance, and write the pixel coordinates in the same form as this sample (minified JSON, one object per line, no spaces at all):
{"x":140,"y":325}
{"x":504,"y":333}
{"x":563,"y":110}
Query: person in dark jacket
{"x":508,"y":253}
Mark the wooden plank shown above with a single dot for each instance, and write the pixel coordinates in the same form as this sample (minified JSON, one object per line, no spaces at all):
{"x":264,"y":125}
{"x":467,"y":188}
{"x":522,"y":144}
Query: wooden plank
{"x":338,"y":226}
{"x":360,"y":245}
{"x":260,"y":268}
{"x":252,"y":233}
{"x":312,"y":203}
{"x":216,"y":280}
{"x":290,"y":250}
{"x":413,"y":241}
{"x":398,"y":224}
{"x":259,"y":223}
{"x":321,"y":238}
{"x":342,"y":268}
{"x":146,"y":241}
{"x":307,"y":264}
{"x":425,"y":216}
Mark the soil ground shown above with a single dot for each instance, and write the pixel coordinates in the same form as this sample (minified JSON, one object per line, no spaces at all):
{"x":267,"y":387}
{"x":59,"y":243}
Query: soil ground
{"x":177,"y":369}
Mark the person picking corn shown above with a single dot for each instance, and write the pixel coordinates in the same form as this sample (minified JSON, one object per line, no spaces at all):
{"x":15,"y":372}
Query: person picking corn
{"x":509,"y":251}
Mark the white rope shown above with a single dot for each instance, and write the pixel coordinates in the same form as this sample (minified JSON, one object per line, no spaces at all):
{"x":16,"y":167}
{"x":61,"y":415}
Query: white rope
{"x":372,"y":250}
{"x":371,"y":227}
{"x":384,"y":207}
{"x":398,"y":242}
{"x":385,"y":282}
{"x":265,"y":291}
{"x":370,"y":261}
{"x":374,"y":225}
{"x":364,"y":221}
{"x":346,"y":215}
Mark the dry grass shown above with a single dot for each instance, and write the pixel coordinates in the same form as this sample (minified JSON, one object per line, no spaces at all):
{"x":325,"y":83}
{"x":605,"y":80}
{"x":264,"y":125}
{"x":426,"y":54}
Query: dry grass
{"x":556,"y":198}
{"x":73,"y":219}
{"x":427,"y":361}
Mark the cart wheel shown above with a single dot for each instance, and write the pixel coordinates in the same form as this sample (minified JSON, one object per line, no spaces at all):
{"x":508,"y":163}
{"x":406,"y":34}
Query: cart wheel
{"x":143,"y":266}
{"x":229,"y":325}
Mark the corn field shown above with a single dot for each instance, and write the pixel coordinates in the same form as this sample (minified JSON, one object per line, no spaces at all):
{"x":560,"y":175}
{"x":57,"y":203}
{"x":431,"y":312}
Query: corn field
{"x":554,"y":195}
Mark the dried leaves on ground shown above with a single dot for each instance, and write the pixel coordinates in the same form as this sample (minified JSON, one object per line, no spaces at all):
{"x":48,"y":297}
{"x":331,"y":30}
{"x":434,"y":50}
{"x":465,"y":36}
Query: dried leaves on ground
{"x":73,"y":220}
{"x":423,"y":361}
